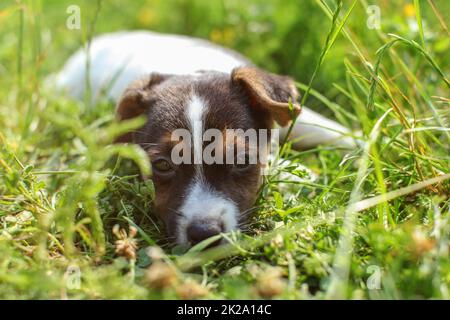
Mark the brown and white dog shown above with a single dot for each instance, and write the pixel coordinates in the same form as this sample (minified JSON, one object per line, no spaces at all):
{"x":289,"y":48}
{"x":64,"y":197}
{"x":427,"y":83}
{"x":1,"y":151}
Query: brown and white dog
{"x":181,"y":82}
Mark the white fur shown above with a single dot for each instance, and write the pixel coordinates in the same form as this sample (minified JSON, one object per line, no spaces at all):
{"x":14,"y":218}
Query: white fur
{"x":204,"y":203}
{"x":195,"y":110}
{"x":126,"y":56}
{"x":312,"y":129}
{"x":116,"y":59}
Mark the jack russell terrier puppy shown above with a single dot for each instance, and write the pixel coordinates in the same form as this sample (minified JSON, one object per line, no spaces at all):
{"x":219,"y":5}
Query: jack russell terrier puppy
{"x":179,"y":82}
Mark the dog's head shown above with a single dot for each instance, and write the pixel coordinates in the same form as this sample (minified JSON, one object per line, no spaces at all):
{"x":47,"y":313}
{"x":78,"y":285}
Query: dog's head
{"x":197,"y":198}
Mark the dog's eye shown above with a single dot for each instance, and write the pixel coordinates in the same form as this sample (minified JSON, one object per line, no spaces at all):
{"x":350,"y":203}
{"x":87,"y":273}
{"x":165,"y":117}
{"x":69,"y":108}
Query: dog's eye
{"x":162,"y":166}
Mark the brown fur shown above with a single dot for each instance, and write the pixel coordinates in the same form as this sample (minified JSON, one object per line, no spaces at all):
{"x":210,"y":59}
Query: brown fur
{"x":249,"y":98}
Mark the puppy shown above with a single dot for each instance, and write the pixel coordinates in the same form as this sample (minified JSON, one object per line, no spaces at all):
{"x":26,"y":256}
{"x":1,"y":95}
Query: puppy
{"x":184,"y":83}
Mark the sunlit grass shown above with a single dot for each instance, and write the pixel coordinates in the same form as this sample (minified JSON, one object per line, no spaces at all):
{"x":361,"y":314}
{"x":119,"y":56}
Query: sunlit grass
{"x":383,"y":206}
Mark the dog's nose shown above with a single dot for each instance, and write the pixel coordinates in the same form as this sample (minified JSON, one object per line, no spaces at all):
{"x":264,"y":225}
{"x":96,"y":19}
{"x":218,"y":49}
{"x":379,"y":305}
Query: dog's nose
{"x":201,"y":230}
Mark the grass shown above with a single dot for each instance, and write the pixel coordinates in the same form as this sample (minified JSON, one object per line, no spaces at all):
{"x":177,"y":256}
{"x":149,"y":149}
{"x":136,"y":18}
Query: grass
{"x":375,"y":223}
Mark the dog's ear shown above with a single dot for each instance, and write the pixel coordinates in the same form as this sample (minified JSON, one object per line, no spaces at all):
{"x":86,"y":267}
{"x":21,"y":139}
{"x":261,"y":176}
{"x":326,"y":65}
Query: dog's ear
{"x":136,"y":99}
{"x":269,"y":91}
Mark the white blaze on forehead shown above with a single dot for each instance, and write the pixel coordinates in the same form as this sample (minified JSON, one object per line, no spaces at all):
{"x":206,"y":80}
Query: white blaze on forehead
{"x":195,"y":110}
{"x":202,"y":203}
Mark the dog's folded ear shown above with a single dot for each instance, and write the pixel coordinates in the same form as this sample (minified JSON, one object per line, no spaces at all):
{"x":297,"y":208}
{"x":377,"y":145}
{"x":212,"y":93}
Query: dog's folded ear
{"x":270,"y":92}
{"x":136,"y":99}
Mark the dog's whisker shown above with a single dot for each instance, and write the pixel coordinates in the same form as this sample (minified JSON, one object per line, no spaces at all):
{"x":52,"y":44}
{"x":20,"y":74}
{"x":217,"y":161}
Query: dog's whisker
{"x":247,"y":213}
{"x":177,"y":212}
